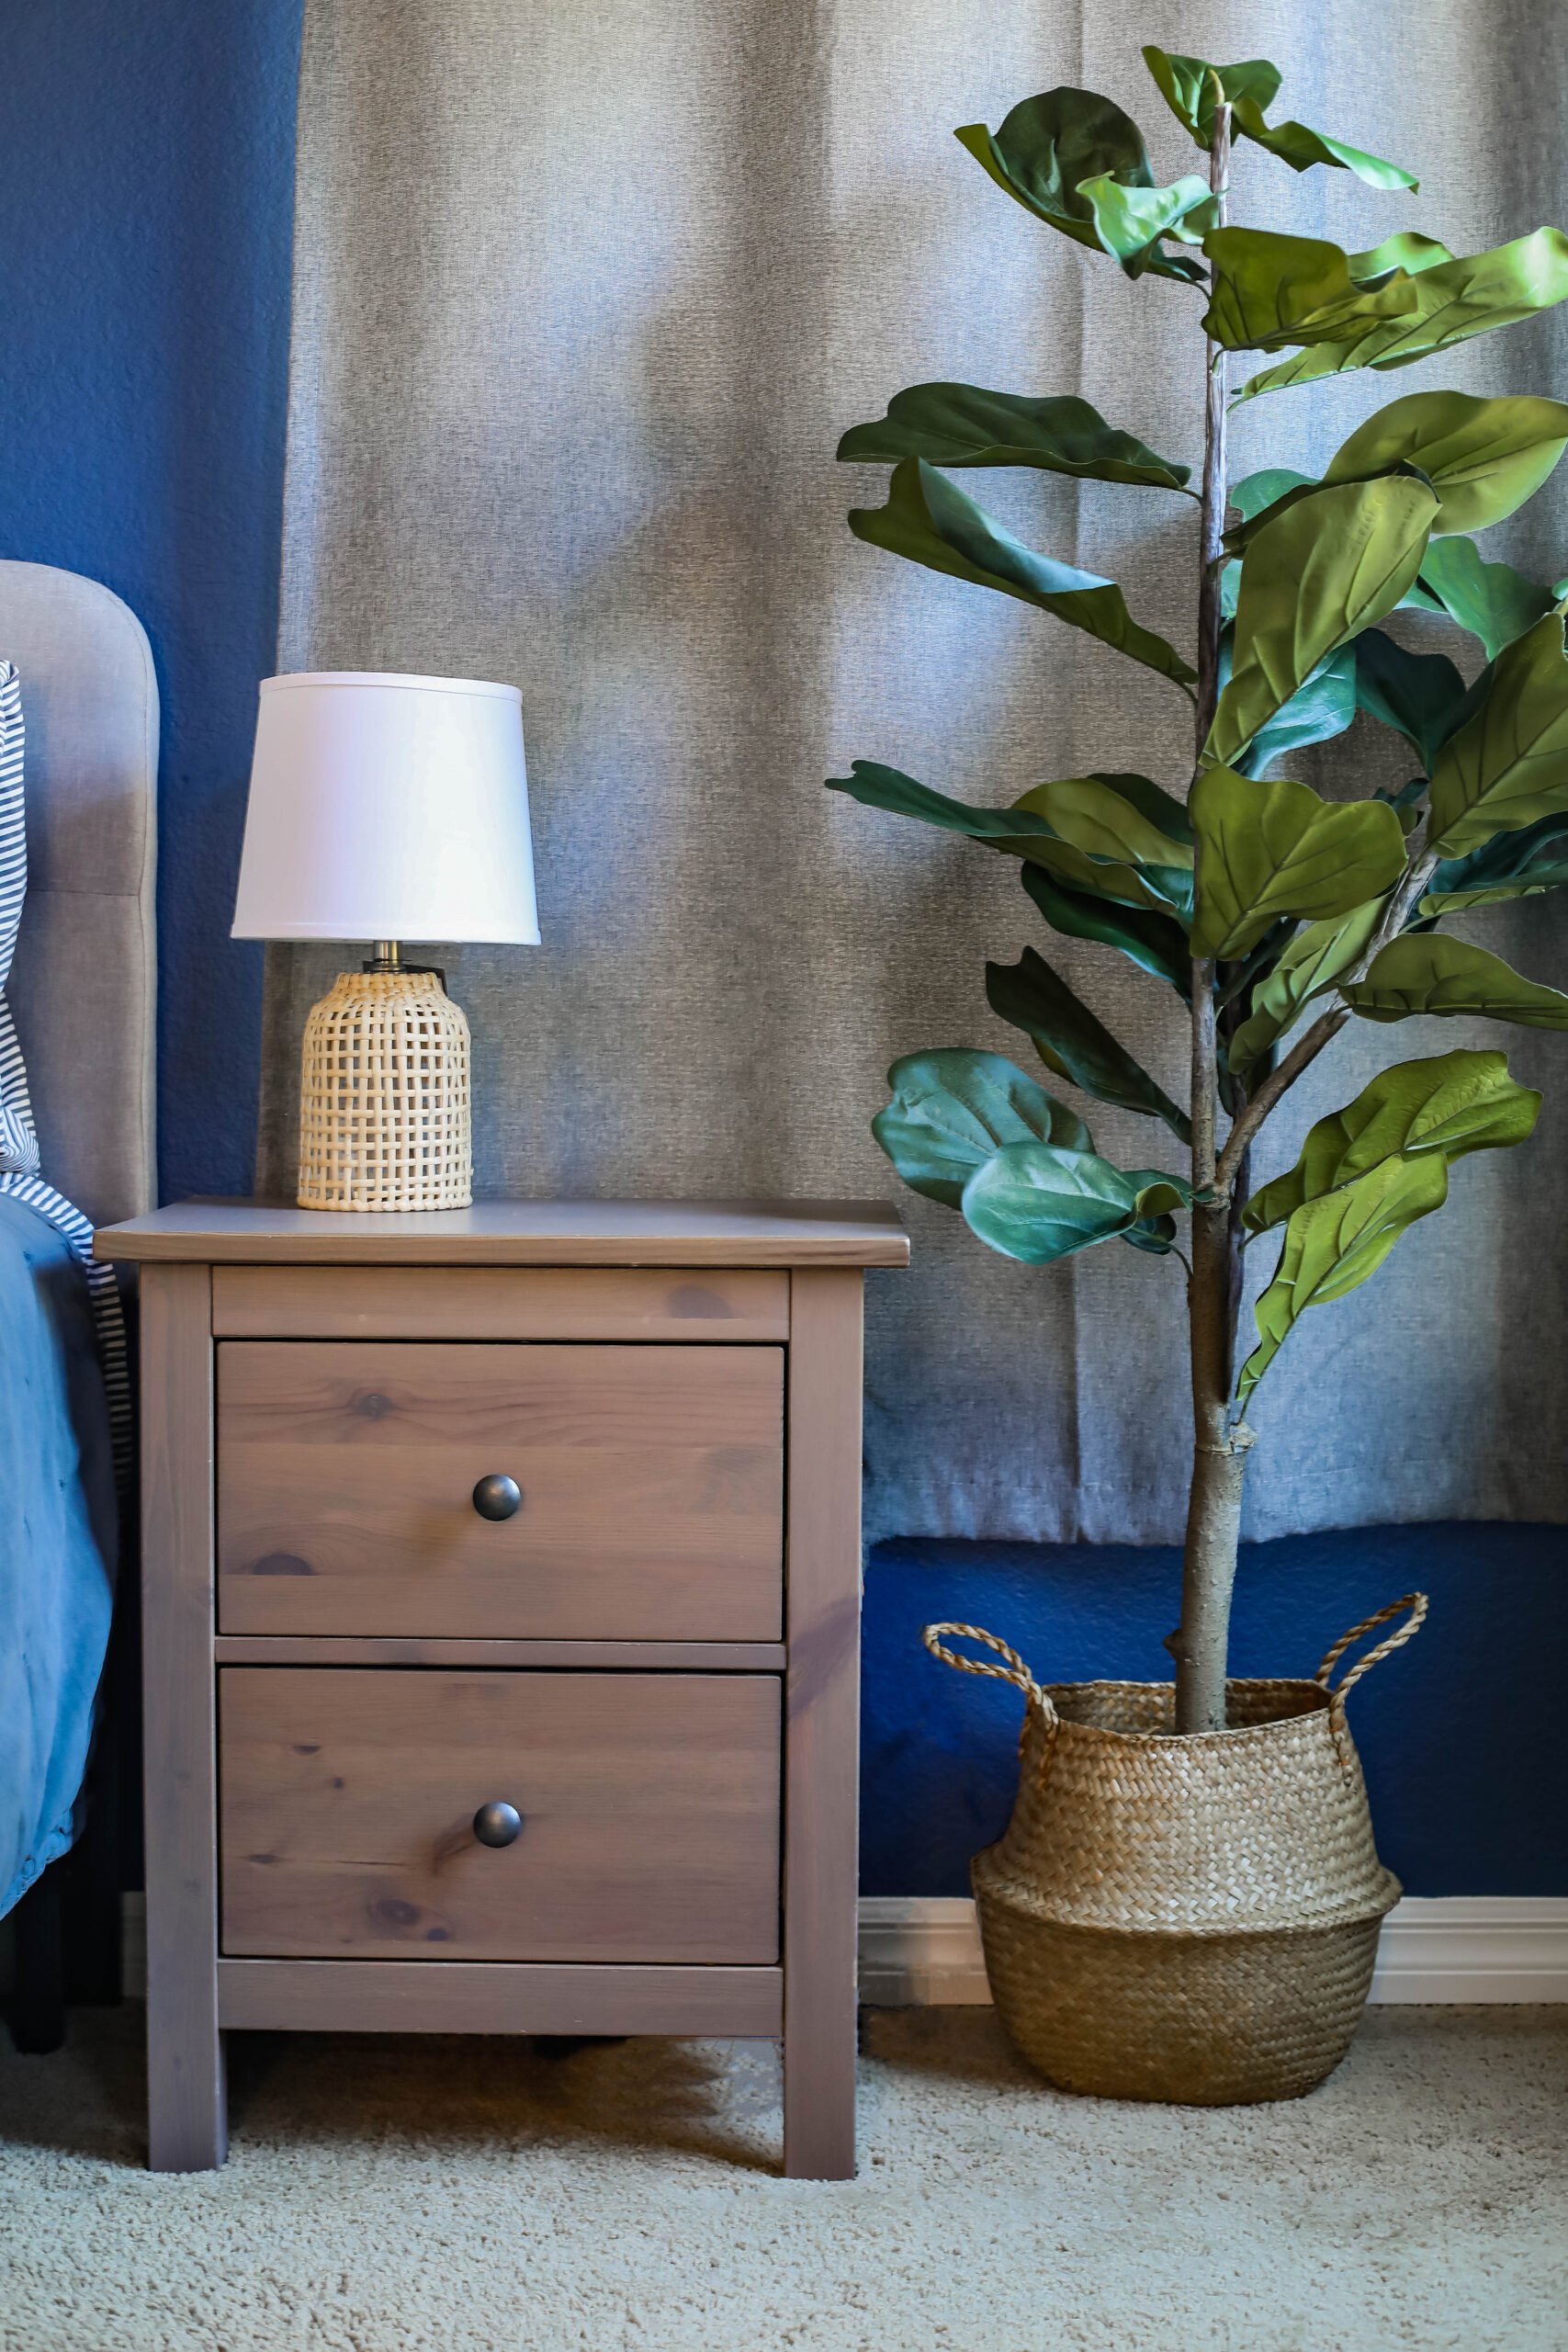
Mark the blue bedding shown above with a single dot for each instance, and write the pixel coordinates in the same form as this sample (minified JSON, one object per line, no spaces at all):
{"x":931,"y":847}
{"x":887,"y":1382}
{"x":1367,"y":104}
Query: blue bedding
{"x":58,"y":1540}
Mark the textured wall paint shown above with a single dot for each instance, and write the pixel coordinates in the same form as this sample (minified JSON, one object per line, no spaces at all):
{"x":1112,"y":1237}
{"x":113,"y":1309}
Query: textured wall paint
{"x":575,"y":420}
{"x":146,"y":188}
{"x":1459,"y":1732}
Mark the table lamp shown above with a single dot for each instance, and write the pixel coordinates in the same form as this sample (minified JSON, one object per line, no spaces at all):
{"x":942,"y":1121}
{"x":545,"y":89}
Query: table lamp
{"x":386,"y":809}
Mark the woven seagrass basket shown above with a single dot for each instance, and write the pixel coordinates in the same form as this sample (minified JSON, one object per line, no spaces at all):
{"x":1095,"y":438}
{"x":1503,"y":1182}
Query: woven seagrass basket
{"x":1187,"y":1918}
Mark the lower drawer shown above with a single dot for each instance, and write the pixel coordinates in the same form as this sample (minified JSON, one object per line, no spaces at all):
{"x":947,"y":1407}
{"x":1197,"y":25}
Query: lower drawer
{"x":649,"y":1807}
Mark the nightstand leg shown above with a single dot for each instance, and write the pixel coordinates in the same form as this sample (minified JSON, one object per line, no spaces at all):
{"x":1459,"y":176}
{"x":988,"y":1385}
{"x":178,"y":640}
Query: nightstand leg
{"x":187,"y":2098}
{"x":821,"y":1767}
{"x":188,"y":2124}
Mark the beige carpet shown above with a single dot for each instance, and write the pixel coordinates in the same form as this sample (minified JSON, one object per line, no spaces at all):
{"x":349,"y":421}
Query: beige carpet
{"x":416,"y":2194}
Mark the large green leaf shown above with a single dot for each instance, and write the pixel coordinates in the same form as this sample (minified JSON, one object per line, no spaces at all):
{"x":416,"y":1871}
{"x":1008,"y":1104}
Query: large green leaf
{"x":1164,"y":811}
{"x":1161,"y":891}
{"x":1533,"y":882}
{"x":1509,"y":866}
{"x":1314,"y":959}
{"x":1425,"y":971}
{"x":1037,"y":1202}
{"x":1454,"y":299}
{"x":1046,"y":148}
{"x":952,"y":1109}
{"x":1130,"y":221}
{"x":1334,"y":1243}
{"x":1187,"y":84}
{"x":1484,"y":457}
{"x":960,"y":424}
{"x":1165,"y":886}
{"x":1267,"y":290}
{"x":1119,"y":838}
{"x":1120,"y":818}
{"x":1155,"y":941}
{"x":1295,"y":145}
{"x":1420,"y":695}
{"x":932,"y":523}
{"x":1493,"y":601}
{"x":1452,"y":1103}
{"x":875,"y":786}
{"x":1508,"y":766}
{"x":1323,"y":706}
{"x":1069,"y":1040}
{"x":1317,"y":575}
{"x":1267,"y":849}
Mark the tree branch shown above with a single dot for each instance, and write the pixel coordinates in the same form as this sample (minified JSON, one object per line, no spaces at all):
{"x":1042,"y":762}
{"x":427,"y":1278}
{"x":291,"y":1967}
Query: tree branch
{"x":1305,"y":1051}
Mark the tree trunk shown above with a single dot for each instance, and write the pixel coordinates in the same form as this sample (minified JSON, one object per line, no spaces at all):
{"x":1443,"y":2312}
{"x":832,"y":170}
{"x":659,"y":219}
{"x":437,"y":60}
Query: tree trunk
{"x":1219,"y":1465}
{"x":1219,"y":1452}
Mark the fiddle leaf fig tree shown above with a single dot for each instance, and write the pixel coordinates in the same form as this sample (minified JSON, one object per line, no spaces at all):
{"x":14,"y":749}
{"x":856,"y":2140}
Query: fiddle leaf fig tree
{"x":1272,"y":915}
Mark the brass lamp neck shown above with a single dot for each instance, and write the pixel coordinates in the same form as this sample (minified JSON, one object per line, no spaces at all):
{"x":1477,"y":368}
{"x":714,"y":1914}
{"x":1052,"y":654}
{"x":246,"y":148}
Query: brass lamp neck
{"x":388,"y":958}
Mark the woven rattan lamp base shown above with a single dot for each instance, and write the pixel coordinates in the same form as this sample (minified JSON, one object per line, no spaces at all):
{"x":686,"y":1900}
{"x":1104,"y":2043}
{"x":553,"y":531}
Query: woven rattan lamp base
{"x":384,"y":1120}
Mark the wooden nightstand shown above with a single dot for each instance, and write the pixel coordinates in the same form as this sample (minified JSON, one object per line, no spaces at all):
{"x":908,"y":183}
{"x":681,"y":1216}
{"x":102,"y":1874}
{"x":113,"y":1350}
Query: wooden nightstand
{"x":500,"y":1616}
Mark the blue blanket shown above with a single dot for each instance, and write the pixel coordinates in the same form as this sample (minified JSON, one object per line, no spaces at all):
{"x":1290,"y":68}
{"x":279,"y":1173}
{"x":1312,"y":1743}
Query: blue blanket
{"x":58,"y":1540}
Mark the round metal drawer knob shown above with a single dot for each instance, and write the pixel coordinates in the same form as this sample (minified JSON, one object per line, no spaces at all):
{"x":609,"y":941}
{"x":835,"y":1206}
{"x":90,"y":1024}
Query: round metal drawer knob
{"x":497,"y":1825}
{"x":498,"y":1497}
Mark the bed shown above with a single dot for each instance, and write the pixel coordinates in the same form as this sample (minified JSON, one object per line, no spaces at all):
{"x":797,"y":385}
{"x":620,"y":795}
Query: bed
{"x":80,"y":990}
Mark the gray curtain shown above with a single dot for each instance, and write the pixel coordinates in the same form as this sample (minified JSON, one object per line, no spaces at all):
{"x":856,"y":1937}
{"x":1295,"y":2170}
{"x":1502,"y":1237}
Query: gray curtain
{"x":585,"y":292}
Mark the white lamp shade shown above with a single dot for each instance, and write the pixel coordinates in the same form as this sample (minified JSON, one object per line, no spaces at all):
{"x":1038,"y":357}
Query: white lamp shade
{"x":384,"y":807}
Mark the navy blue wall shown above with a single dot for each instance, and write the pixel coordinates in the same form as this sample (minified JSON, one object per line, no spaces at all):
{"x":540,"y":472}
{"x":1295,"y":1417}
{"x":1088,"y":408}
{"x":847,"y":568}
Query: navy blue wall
{"x":146,"y":169}
{"x":1459,"y":1731}
{"x":146,"y":188}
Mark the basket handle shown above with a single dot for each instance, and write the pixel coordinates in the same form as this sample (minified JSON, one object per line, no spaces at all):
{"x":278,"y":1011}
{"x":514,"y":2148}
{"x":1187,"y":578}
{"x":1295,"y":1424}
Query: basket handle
{"x":1014,"y":1672}
{"x":1417,"y":1604}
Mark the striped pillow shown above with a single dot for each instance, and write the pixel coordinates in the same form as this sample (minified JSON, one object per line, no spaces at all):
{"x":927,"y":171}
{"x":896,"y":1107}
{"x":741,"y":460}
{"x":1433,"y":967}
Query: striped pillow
{"x":19,"y":1174}
{"x":18,"y":1140}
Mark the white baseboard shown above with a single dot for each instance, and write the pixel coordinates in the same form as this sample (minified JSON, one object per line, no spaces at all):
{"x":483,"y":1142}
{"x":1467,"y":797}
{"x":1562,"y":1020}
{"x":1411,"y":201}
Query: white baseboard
{"x":920,"y":1950}
{"x":916,"y":1950}
{"x":1474,"y":1948}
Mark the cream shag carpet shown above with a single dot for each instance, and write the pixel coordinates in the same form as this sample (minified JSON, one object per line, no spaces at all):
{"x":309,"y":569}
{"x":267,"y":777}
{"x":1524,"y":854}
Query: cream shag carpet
{"x":420,"y":2194}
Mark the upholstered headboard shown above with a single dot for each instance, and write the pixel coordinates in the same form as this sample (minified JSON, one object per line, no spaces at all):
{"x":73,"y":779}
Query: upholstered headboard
{"x":83,"y":987}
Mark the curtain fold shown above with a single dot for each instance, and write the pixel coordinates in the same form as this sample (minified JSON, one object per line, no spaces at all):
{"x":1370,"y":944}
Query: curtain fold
{"x":584,"y":296}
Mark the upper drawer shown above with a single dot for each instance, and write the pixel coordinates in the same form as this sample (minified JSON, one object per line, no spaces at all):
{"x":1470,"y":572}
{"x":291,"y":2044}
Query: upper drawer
{"x":651,"y":1479}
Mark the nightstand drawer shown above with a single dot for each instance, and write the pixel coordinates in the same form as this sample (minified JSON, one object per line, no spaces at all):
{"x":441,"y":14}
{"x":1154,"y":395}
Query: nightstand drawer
{"x":649,"y":1486}
{"x":648,"y":1806}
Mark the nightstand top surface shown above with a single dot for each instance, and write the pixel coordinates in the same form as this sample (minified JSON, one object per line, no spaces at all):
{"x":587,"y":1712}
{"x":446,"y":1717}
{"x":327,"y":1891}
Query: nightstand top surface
{"x":518,"y":1233}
